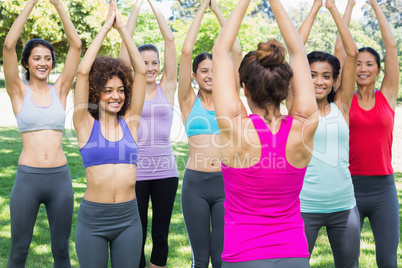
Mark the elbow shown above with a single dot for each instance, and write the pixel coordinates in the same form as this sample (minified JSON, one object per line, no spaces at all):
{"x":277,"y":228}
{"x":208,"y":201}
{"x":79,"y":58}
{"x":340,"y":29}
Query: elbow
{"x":392,"y":44}
{"x":8,"y":46}
{"x":77,"y":45}
{"x":353,"y":52}
{"x":82,"y":72}
{"x":170,"y":38}
{"x":141,"y":70}
{"x":219,"y":49}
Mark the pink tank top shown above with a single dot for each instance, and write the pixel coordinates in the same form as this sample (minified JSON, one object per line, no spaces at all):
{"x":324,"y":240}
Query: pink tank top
{"x":370,"y":140}
{"x":156,"y":158}
{"x":262,"y":206}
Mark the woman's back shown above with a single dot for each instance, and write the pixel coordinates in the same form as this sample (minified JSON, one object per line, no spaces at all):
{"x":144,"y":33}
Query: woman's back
{"x":262,"y":208}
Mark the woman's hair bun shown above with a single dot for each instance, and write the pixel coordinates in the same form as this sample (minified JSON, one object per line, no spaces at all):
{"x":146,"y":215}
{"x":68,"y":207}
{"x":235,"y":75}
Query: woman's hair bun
{"x":271,"y":53}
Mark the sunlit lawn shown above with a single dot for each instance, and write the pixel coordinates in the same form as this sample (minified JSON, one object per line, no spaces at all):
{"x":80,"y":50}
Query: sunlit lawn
{"x":179,"y":251}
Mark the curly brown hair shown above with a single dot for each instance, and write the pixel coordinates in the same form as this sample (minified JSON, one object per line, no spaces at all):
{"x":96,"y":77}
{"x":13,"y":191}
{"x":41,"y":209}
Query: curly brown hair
{"x":103,"y":69}
{"x":266,"y":74}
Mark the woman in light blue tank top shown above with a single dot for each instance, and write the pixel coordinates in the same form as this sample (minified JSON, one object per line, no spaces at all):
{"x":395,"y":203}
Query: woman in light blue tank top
{"x":42,"y":175}
{"x":327,"y":197}
{"x":202,"y":189}
{"x":157,"y":174}
{"x":108,"y":104}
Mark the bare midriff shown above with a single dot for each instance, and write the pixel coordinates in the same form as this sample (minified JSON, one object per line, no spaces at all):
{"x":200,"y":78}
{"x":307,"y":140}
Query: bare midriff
{"x":42,"y":148}
{"x":204,"y":153}
{"x":110,"y":183}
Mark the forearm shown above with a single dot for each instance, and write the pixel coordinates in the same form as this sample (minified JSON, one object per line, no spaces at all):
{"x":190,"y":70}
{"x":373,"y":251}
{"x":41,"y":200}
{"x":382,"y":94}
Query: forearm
{"x":305,"y":28}
{"x":73,"y":38}
{"x":386,"y":33}
{"x":133,"y":53}
{"x":287,"y":29}
{"x":17,"y":27}
{"x":92,"y":51}
{"x":346,"y":37}
{"x":193,"y":31}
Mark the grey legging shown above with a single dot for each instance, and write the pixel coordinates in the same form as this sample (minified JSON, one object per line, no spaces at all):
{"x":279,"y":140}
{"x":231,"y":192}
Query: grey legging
{"x":32,"y":187}
{"x":270,"y":263}
{"x":202,"y":203}
{"x":100,"y":225}
{"x":377,"y":199}
{"x":343,"y":228}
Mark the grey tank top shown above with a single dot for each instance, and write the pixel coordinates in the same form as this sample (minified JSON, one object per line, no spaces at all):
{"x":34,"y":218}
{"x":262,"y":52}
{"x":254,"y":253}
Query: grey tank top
{"x":33,"y":117}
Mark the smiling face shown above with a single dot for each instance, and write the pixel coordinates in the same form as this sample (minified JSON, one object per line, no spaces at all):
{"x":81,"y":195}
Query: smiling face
{"x":151,"y":61}
{"x":323,"y":80}
{"x":112,"y":97}
{"x":367,"y":69}
{"x":40,"y":63}
{"x":204,"y":75}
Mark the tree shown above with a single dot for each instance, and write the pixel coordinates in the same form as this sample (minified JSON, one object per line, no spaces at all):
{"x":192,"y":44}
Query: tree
{"x":44,"y":22}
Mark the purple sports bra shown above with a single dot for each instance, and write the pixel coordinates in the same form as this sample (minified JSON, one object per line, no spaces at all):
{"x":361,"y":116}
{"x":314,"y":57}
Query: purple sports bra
{"x":100,"y":151}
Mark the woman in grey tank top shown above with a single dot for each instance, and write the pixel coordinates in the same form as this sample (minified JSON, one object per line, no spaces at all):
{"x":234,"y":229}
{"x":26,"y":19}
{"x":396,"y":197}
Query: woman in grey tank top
{"x":42,"y":174}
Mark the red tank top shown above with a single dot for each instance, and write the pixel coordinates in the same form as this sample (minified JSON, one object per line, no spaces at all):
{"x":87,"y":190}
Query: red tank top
{"x":371,"y":138}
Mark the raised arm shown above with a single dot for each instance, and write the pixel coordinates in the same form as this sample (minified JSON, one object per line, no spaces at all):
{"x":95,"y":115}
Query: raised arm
{"x":169,"y":76}
{"x":138,"y":91}
{"x":186,"y":93}
{"x":130,"y":26}
{"x":347,"y":85}
{"x":82,"y":117}
{"x":390,"y":83}
{"x":236,"y":51}
{"x":224,"y":86}
{"x":10,"y":59}
{"x":339,"y":50}
{"x":307,"y":24}
{"x":304,"y":102}
{"x":66,"y":78}
{"x":304,"y":32}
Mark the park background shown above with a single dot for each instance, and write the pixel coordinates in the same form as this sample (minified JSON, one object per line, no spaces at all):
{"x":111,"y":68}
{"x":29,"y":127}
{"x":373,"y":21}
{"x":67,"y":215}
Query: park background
{"x":258,"y":25}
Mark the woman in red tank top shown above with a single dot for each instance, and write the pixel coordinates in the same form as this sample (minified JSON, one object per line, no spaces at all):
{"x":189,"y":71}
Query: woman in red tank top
{"x":371,"y":125}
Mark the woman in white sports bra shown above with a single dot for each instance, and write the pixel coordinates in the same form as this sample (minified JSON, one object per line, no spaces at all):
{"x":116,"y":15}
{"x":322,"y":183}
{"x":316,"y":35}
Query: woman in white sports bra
{"x":42,"y":173}
{"x":202,"y":191}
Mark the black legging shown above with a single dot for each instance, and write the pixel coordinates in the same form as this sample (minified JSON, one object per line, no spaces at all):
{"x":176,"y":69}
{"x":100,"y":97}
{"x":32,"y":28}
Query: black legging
{"x":377,"y":199}
{"x":34,"y":186}
{"x":162,"y":193}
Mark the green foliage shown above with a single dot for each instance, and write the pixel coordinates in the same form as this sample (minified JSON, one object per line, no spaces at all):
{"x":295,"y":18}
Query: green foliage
{"x":179,"y":251}
{"x":44,"y":22}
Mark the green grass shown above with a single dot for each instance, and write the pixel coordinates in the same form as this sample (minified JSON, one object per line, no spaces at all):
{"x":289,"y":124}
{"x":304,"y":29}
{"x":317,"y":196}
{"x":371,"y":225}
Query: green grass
{"x":179,"y":251}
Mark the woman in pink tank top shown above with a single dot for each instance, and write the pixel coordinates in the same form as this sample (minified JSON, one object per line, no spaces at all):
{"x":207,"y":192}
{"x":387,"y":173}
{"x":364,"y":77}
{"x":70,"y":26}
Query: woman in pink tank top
{"x":371,"y":126}
{"x":264,"y":166}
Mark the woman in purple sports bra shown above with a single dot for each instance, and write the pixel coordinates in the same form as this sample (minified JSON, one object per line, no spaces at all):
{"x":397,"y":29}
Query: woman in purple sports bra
{"x":108,"y":105}
{"x":202,"y":191}
{"x":264,"y":165}
{"x":157,"y":175}
{"x":42,"y":174}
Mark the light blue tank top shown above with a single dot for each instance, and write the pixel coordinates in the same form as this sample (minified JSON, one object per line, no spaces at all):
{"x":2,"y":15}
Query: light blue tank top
{"x":33,"y":117}
{"x":201,"y":121}
{"x":328,"y":185}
